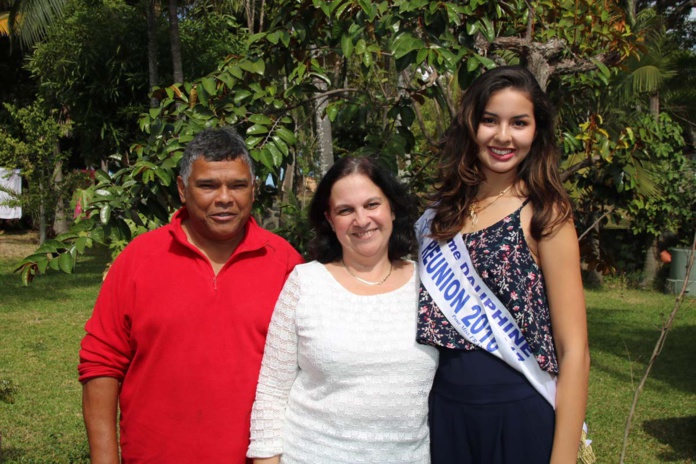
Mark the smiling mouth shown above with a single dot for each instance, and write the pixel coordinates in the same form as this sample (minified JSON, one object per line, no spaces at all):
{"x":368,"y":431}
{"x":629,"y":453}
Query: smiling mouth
{"x":501,"y":151}
{"x":365,"y":234}
{"x":222,"y":215}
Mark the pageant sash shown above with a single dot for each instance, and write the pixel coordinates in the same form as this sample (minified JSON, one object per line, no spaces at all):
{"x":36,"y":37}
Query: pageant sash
{"x":446,"y":271}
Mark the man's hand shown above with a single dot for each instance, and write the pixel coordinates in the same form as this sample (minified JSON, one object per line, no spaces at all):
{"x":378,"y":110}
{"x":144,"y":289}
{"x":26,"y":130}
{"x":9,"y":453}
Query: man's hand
{"x":99,"y":408}
{"x":272,"y":460}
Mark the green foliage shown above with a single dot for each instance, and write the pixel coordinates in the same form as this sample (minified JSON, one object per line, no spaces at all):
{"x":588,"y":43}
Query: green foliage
{"x":294,"y":226}
{"x":30,"y":144}
{"x":631,"y":163}
{"x":207,"y":37}
{"x":675,"y":179}
{"x":94,"y":67}
{"x":636,"y":170}
{"x":89,"y":69}
{"x":376,"y":64}
{"x":29,"y":21}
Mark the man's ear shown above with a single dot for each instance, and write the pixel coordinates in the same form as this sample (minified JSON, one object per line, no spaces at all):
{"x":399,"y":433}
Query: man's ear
{"x":182,"y":189}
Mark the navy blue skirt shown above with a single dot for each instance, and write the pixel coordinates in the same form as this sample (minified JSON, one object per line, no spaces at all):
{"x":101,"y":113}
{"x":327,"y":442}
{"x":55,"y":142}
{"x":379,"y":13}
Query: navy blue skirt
{"x":482,"y":411}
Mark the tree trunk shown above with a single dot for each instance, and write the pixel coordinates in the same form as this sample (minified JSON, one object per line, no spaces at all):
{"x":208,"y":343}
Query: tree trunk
{"x":249,"y":9}
{"x":175,"y":43}
{"x":254,"y":21}
{"x":404,"y":81}
{"x":650,"y":266}
{"x":60,"y":221}
{"x":286,"y":189}
{"x":43,"y":222}
{"x":594,"y":279}
{"x":540,"y":67}
{"x":152,"y":50}
{"x":288,"y":180}
{"x":323,"y":129}
{"x":631,"y":11}
{"x":655,"y":106}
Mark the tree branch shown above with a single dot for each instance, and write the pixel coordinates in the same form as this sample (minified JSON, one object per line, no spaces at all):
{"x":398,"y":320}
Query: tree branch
{"x":585,"y":163}
{"x":593,"y":225}
{"x":447,"y":96}
{"x":530,"y":22}
{"x":550,"y":50}
{"x":315,"y":96}
{"x":552,"y":53}
{"x":568,"y":66}
{"x":421,"y":124}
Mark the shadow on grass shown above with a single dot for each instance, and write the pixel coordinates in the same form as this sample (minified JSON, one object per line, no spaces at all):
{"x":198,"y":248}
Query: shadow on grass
{"x":55,"y":284}
{"x":610,"y":333}
{"x":678,"y":433}
{"x":75,"y":455}
{"x":11,"y":455}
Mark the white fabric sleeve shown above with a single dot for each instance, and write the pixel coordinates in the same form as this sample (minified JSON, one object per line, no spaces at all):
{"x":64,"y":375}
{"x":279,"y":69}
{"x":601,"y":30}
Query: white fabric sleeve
{"x":278,"y":371}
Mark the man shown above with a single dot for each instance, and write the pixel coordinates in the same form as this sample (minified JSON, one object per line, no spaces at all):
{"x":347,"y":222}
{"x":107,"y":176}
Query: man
{"x":178,"y":330}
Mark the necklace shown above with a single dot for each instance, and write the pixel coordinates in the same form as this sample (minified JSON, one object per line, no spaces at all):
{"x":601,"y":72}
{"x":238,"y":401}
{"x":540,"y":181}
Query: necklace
{"x":367,"y":282}
{"x":474,"y":208}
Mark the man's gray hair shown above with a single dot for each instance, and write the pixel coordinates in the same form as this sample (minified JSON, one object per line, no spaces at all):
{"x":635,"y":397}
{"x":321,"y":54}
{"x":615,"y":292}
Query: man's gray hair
{"x":215,"y":144}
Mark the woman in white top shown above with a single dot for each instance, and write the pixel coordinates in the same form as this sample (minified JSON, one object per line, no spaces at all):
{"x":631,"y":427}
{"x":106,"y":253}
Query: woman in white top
{"x":343,"y":379}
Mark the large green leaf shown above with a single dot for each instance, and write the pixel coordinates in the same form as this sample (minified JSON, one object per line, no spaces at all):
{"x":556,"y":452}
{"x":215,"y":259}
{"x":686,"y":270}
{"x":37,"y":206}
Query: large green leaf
{"x":105,"y":213}
{"x":258,"y":66}
{"x":404,"y":44}
{"x":66,"y":263}
{"x":346,"y":45}
{"x":287,"y":136}
{"x":257,"y":129}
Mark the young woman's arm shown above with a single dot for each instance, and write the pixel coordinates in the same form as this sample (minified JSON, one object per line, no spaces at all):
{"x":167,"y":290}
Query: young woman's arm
{"x":560,"y":261}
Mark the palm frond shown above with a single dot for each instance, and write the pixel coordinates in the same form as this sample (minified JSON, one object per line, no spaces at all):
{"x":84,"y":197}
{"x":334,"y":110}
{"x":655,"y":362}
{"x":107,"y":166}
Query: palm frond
{"x":29,"y":20}
{"x":646,"y":79}
{"x":4,"y":26}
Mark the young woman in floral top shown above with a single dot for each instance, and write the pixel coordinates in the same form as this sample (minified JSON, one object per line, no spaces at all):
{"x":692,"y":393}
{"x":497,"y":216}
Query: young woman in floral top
{"x":499,"y":186}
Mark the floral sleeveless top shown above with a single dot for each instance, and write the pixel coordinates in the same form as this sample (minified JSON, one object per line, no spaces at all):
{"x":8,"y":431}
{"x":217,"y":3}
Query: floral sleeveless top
{"x":502,"y":258}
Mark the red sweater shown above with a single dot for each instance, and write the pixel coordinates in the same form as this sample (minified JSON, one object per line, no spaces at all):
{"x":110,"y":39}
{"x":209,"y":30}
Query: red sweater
{"x":186,"y":344}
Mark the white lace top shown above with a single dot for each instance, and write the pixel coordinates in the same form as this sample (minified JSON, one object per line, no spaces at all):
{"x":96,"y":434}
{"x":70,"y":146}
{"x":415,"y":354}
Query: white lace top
{"x":343,"y":379}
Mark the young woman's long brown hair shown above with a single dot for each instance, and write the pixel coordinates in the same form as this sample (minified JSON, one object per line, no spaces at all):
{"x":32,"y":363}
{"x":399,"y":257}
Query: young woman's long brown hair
{"x":459,"y":170}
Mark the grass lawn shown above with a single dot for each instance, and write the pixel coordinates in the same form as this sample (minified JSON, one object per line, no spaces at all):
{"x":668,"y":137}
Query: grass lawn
{"x":40,"y":331}
{"x":41,"y":327}
{"x":624,"y":326}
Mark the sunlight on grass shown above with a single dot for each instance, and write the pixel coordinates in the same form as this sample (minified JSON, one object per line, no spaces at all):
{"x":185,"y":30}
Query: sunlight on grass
{"x":41,"y":327}
{"x":624,"y":326}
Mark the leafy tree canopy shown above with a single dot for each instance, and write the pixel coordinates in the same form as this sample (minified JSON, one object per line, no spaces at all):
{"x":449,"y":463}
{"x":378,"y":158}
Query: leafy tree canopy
{"x":381,"y":64}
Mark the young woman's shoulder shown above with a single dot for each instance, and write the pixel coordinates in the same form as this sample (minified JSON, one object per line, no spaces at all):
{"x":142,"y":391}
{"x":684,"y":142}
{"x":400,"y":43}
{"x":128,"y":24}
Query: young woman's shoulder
{"x":556,"y":224}
{"x":560,"y":217}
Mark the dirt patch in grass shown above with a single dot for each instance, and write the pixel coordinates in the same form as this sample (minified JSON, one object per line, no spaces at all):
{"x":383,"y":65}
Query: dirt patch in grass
{"x":16,"y":244}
